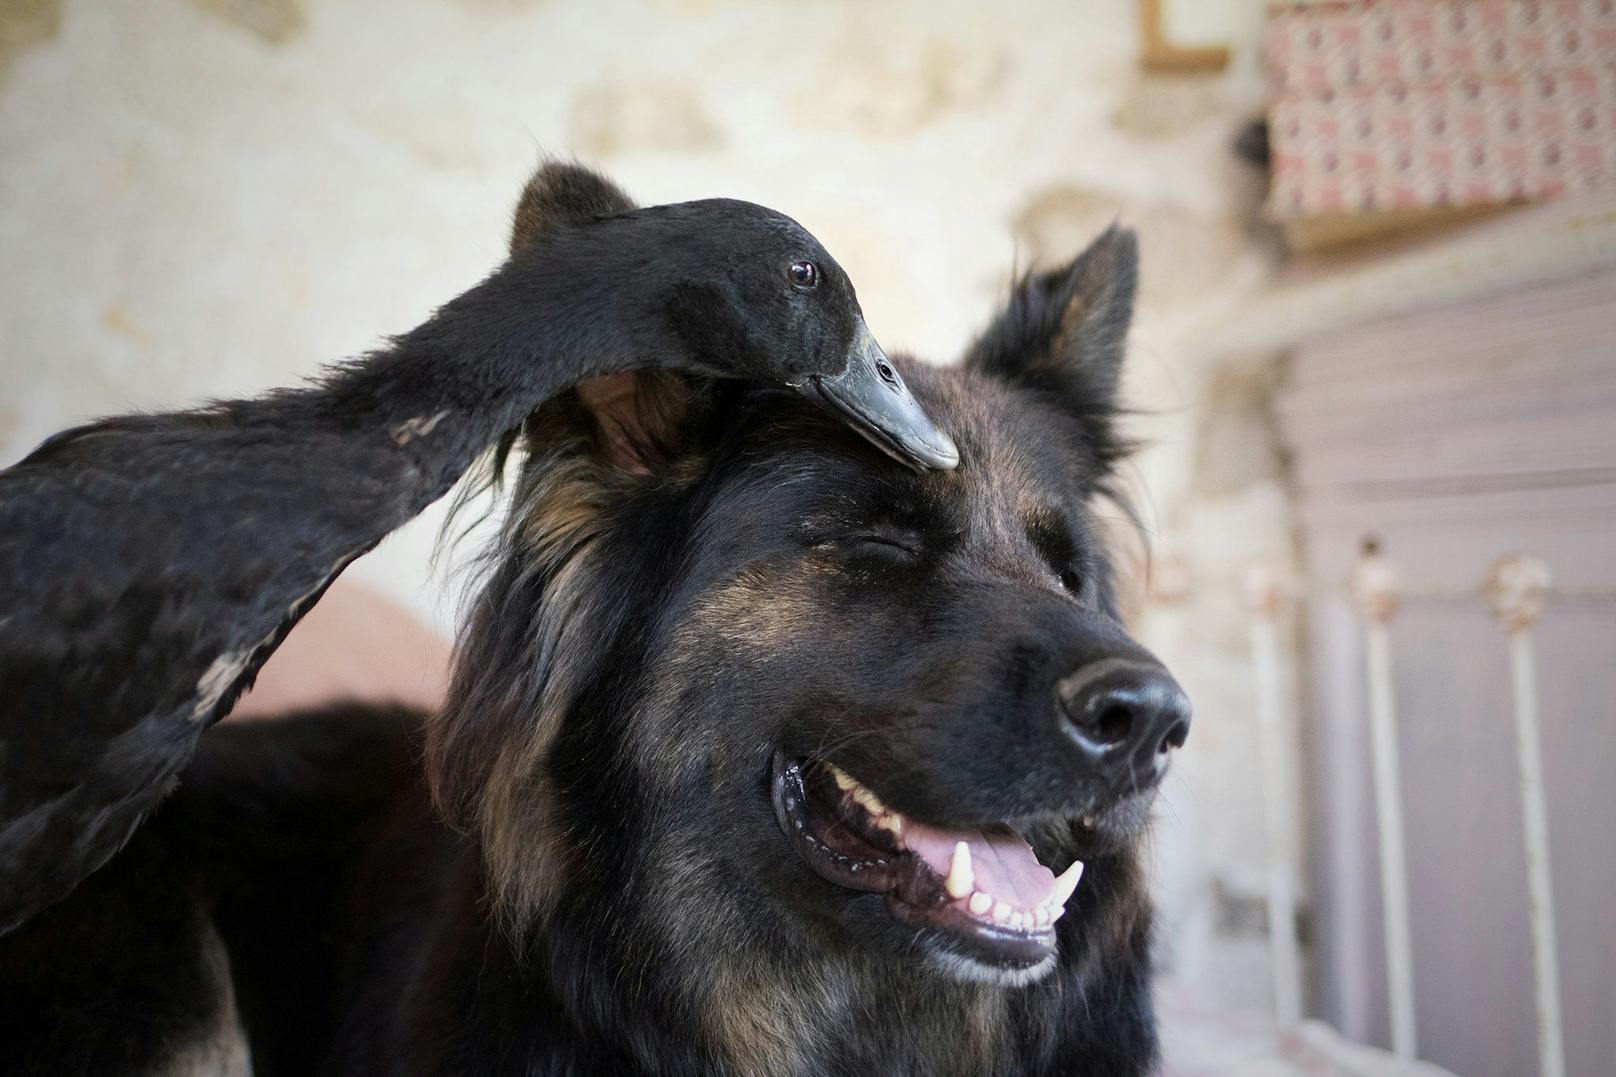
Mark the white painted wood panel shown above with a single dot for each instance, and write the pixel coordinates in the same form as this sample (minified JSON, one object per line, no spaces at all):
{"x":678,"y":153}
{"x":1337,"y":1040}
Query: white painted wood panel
{"x":1456,"y":436}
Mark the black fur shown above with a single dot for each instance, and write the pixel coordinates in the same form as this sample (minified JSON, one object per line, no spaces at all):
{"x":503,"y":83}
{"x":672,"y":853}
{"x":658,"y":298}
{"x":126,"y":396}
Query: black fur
{"x":612,"y":892}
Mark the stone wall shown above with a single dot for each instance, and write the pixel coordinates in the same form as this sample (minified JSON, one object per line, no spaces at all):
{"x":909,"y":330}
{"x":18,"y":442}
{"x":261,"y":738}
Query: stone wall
{"x":208,"y":197}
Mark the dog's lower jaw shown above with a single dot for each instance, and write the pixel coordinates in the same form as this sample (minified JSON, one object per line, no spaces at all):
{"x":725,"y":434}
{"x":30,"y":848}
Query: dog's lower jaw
{"x":900,"y":890}
{"x":971,"y":971}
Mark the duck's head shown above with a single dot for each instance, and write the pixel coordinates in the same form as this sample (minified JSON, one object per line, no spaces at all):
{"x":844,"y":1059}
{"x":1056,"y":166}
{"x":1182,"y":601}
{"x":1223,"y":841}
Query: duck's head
{"x":749,"y":293}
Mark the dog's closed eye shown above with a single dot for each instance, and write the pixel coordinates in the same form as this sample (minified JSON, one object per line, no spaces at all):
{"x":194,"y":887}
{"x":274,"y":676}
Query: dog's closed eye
{"x":1052,"y":535}
{"x":884,"y":543}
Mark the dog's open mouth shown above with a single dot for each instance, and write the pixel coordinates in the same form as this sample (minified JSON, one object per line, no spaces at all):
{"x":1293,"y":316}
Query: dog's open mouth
{"x":983,"y":888}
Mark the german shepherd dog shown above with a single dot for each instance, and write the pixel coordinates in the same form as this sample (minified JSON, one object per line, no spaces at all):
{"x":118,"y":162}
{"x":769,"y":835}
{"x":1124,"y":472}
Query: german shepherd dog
{"x":765,"y":756}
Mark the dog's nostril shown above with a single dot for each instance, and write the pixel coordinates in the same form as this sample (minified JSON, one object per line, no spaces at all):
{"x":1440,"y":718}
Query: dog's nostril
{"x":1113,"y":724}
{"x":1175,"y":737}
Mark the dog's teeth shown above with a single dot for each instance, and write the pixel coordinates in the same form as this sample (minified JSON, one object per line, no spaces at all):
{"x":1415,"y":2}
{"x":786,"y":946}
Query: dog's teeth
{"x":1001,"y":912}
{"x":1088,"y":822}
{"x":861,"y":794}
{"x":1056,"y":913}
{"x":961,"y":880}
{"x":1042,"y":915}
{"x":1066,"y":884}
{"x":1018,"y":920}
{"x":980,"y":903}
{"x":865,"y":798}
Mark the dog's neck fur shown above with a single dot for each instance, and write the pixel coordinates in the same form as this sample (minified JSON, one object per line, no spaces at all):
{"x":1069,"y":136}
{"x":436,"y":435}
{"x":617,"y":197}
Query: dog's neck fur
{"x":592,"y":991}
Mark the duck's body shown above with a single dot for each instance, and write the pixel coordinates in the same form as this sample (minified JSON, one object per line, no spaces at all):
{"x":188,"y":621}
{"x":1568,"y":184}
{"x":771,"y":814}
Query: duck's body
{"x":150,"y":564}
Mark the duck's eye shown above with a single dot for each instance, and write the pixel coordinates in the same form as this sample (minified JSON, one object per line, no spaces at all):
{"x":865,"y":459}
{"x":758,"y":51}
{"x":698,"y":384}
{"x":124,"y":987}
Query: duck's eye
{"x":803,"y":274}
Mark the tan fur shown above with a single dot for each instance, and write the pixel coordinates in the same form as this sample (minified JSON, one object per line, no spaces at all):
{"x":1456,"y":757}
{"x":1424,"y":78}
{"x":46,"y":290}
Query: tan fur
{"x":762,"y":1023}
{"x":559,"y":514}
{"x":765,"y":1020}
{"x":760,"y":611}
{"x":557,"y":519}
{"x":522,"y":849}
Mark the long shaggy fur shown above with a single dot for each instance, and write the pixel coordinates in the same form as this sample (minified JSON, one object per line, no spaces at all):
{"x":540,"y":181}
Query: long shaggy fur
{"x":575,"y":867}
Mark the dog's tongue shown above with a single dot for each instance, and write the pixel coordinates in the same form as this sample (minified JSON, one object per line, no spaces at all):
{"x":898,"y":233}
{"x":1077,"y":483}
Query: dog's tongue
{"x":1002,"y":863}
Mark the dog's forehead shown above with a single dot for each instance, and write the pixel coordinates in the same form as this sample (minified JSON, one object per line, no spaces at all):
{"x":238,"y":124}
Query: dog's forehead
{"x":1013,"y":447}
{"x":1021,"y":459}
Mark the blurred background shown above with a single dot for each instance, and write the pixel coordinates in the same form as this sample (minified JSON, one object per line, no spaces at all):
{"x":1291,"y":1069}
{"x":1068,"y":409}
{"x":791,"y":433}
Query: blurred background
{"x":1375,"y":354}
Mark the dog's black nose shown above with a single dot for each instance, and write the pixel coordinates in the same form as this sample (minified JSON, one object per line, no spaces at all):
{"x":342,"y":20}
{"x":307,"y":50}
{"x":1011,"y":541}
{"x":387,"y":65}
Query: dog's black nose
{"x":1126,"y":715}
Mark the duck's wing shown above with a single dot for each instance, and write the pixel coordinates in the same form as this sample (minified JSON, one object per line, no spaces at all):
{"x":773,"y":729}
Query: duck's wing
{"x":148,"y":567}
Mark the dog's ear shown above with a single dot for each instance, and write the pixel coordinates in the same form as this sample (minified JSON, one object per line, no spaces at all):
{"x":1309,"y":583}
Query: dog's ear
{"x":643,"y":421}
{"x":1064,"y":332}
{"x":633,"y":415}
{"x":562,"y":195}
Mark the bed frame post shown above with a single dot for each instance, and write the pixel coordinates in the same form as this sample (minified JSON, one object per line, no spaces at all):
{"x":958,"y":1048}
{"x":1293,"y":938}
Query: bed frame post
{"x":1264,"y":600}
{"x":1515,"y":591}
{"x":1375,"y":590}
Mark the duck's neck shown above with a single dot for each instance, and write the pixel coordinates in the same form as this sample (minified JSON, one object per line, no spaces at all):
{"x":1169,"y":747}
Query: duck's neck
{"x":534,"y":328}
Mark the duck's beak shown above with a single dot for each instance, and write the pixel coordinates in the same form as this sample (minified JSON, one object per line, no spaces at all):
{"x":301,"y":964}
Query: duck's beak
{"x":871,"y":395}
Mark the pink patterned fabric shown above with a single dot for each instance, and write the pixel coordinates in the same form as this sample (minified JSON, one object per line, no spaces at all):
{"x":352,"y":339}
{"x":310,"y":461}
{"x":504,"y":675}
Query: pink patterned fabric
{"x":1414,"y":104}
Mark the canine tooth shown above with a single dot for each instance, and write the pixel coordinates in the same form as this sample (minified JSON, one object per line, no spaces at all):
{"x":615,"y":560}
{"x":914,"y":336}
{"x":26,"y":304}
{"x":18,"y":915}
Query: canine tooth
{"x":980,"y":903}
{"x":1066,"y":884}
{"x":1001,"y":912}
{"x":1058,"y":912}
{"x":961,"y":880}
